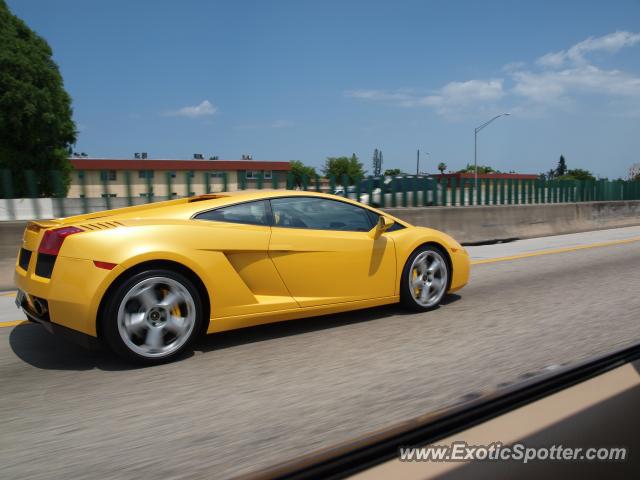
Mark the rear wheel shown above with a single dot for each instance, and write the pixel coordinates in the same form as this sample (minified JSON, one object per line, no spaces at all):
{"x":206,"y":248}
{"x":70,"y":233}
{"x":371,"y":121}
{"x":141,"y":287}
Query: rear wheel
{"x":425,"y":278}
{"x":152,"y":316}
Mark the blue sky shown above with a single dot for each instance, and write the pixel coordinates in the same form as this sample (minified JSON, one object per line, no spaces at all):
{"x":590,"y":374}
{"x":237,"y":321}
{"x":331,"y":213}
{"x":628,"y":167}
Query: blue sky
{"x":304,"y":80}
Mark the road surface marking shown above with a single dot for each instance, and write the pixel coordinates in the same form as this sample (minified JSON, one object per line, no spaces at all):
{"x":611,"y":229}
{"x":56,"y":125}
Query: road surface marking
{"x":8,"y":294}
{"x":556,"y":250}
{"x":14,"y":323}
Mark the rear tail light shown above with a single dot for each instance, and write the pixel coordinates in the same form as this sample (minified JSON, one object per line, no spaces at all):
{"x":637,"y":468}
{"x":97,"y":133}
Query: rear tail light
{"x":53,"y":239}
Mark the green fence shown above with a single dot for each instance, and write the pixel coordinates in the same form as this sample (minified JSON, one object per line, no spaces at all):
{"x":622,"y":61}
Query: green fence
{"x":149,"y":186}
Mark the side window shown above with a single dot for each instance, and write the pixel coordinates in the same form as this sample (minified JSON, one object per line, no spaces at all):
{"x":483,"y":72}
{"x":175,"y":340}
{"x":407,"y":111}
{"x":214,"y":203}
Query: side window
{"x":319,"y":214}
{"x":252,"y":213}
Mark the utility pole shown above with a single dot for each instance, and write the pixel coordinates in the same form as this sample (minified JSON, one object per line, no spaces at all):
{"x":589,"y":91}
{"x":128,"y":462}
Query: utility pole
{"x":418,"y":163}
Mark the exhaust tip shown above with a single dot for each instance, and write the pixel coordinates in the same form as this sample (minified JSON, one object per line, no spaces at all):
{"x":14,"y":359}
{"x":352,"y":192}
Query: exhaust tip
{"x":40,"y":306}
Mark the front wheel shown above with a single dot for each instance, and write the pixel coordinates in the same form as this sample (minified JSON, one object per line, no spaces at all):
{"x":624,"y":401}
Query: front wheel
{"x":425,"y":279}
{"x":152,"y":316}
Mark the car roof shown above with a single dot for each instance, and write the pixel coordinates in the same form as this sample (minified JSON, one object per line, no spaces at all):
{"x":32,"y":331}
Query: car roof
{"x":255,"y":194}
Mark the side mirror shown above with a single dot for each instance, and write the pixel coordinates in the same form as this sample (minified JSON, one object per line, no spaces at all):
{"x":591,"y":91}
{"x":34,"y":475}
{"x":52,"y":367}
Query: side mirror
{"x":384,"y":223}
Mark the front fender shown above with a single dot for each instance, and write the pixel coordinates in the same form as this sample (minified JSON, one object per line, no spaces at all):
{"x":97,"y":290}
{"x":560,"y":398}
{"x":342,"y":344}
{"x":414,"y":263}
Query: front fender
{"x":408,"y":239}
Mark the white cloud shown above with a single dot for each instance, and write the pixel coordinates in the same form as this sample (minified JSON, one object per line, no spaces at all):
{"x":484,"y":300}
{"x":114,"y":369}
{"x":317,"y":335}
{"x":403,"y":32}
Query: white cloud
{"x":610,"y":43}
{"x":451,"y":99}
{"x":465,"y":94}
{"x":555,"y":59}
{"x":552,"y":85}
{"x":556,"y":80}
{"x":568,"y":72}
{"x":203,"y":109}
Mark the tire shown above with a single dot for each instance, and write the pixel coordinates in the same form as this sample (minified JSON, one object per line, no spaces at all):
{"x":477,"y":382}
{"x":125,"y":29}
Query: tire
{"x":432,"y":277}
{"x":152,"y":317}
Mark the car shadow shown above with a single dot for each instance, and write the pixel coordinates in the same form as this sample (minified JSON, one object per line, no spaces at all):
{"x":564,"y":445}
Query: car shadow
{"x":244,"y":336}
{"x":35,"y":346}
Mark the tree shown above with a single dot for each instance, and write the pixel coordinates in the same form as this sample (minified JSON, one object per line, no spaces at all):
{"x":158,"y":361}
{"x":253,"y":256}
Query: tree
{"x":561,"y":169}
{"x":36,"y":128}
{"x":442,"y":167}
{"x":339,"y":166}
{"x":392,"y":172}
{"x":481,"y":169}
{"x":299,"y":169}
{"x":577,"y":174}
{"x":377,"y":162}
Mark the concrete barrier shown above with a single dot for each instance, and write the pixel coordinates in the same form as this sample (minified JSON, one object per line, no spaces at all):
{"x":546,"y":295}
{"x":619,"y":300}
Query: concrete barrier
{"x":485,"y":224}
{"x":466,"y":224}
{"x":10,"y":240}
{"x":77,"y":206}
{"x":26,"y":208}
{"x":30,"y":208}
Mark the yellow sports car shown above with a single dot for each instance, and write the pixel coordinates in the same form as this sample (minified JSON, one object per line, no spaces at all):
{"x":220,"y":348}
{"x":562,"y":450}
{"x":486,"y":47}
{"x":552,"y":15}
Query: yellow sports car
{"x":147,"y":280}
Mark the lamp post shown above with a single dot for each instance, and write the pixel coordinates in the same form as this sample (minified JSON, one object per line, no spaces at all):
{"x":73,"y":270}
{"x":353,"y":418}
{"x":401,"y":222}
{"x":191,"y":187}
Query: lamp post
{"x":475,"y":145}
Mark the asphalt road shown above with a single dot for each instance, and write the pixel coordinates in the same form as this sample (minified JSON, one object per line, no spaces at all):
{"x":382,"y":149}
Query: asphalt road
{"x":252,"y":398}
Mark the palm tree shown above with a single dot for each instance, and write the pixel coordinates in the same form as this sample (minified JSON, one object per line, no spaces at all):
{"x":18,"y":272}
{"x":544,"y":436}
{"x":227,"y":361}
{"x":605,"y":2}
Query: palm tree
{"x":442,"y":167}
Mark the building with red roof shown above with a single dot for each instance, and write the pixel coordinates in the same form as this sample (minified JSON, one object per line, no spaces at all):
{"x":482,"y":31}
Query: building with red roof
{"x":100,"y":177}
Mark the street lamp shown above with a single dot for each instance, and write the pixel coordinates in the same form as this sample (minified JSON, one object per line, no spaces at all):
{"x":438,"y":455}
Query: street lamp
{"x":475,"y":145}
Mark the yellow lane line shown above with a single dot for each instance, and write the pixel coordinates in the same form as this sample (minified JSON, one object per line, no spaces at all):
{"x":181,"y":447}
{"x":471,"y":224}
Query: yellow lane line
{"x":13,"y":324}
{"x":556,"y":250}
{"x":8,"y":294}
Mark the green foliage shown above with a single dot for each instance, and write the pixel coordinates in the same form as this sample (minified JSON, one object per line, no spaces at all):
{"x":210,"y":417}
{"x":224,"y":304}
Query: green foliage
{"x":36,"y":128}
{"x":442,"y":167}
{"x":392,"y":172}
{"x":344,"y":165}
{"x":561,"y":169}
{"x":299,"y":169}
{"x":577,"y":174}
{"x":550,"y":175}
{"x":481,"y":169}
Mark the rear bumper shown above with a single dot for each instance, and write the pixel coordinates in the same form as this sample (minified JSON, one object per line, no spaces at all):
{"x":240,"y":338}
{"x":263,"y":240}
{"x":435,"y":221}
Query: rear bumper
{"x":79,"y":338}
{"x":72,"y":294}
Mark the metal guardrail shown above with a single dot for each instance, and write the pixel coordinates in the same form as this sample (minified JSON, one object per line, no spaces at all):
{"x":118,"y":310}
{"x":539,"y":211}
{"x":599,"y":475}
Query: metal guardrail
{"x":395,"y":192}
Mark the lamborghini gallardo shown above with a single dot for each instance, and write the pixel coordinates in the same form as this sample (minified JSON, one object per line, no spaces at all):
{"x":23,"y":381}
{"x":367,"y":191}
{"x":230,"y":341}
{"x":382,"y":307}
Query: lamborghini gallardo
{"x":147,"y":280}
